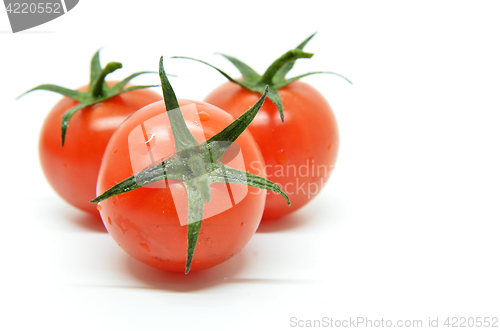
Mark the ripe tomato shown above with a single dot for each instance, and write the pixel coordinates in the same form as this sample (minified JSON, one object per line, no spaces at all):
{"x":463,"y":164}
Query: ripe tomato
{"x":149,"y":222}
{"x":72,"y":169}
{"x":300,"y":152}
{"x":76,"y":131}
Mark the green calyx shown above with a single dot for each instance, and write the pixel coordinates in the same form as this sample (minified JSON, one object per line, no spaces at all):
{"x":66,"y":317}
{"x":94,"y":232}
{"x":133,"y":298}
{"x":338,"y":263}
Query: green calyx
{"x":273,"y":77}
{"x":197,"y":165}
{"x":98,"y":90}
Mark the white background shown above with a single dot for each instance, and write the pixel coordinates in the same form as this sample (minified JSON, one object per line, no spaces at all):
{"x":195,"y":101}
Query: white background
{"x":407,"y":227}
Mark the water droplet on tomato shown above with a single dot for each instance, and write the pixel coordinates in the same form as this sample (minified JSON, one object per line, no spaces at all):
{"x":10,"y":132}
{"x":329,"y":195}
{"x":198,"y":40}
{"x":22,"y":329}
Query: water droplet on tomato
{"x":109,"y":220}
{"x":281,"y":158}
{"x":242,"y":224}
{"x":99,"y":207}
{"x":144,"y":247}
{"x":203,"y":116}
{"x":115,"y":151}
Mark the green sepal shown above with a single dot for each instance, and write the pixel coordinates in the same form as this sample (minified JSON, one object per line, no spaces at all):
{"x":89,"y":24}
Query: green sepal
{"x":67,"y":116}
{"x":274,"y":76}
{"x":283,"y":71}
{"x":276,"y":99}
{"x":285,"y":82}
{"x":246,"y":72}
{"x":290,"y":56}
{"x":182,"y":136}
{"x":95,"y":66}
{"x":171,"y":168}
{"x":225,"y":174}
{"x":113,"y":93}
{"x":73,"y":94}
{"x":98,"y":90}
{"x":195,"y":216}
{"x":196,"y":165}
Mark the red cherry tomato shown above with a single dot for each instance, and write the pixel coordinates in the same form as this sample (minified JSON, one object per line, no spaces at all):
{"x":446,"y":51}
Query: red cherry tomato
{"x":149,"y":222}
{"x":72,"y":169}
{"x":300,"y":152}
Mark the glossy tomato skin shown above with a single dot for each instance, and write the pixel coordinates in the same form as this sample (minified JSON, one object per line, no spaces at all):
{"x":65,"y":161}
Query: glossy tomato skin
{"x":299,"y":153}
{"x":72,"y":169}
{"x":145,"y":221}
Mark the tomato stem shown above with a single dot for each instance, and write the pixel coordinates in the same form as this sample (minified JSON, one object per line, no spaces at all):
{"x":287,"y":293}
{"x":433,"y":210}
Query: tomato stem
{"x":96,"y":88}
{"x":291,"y":55}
